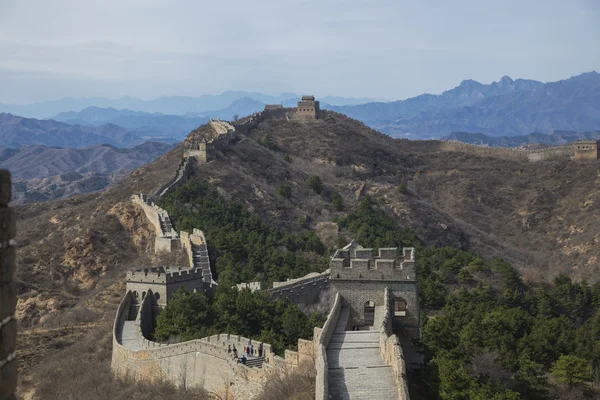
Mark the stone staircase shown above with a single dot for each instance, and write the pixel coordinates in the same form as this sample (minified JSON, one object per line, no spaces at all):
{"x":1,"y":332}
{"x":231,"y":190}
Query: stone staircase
{"x":200,"y":260}
{"x":165,"y":224}
{"x":255,"y":362}
{"x":356,"y":370}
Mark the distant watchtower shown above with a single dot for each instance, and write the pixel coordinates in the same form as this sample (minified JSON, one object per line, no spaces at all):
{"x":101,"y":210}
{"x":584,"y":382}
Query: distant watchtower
{"x":585,"y":150}
{"x":361,"y":277}
{"x":308,"y":108}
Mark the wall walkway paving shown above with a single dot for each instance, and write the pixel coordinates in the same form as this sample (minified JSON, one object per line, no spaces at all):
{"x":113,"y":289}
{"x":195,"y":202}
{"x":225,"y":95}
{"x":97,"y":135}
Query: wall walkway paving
{"x":356,"y":369}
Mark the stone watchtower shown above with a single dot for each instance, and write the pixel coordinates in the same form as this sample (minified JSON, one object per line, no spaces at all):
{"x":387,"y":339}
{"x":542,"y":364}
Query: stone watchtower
{"x":361,"y":278}
{"x":585,"y":150}
{"x":8,"y":298}
{"x":308,"y":108}
{"x":164,"y":281}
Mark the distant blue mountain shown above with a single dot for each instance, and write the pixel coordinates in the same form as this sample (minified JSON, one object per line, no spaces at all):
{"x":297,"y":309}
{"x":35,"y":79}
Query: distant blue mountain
{"x":140,"y":123}
{"x":508,"y":107}
{"x":173,"y":105}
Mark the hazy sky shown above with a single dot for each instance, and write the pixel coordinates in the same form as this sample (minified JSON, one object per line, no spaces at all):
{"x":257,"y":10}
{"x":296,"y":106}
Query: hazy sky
{"x":390,"y":49}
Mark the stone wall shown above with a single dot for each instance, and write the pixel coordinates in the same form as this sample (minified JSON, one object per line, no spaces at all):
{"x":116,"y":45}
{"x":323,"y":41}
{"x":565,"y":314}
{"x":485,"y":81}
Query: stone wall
{"x":551,"y":153}
{"x":390,"y":349}
{"x":305,"y":290}
{"x":252,"y":286}
{"x":322,"y":338}
{"x":361,"y":264}
{"x":585,"y":150}
{"x":356,"y":293}
{"x":183,"y":172}
{"x":150,"y":211}
{"x":565,"y":152}
{"x":202,"y":363}
{"x":8,"y":298}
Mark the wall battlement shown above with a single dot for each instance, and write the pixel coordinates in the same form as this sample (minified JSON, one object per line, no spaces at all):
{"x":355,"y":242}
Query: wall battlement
{"x":165,"y":275}
{"x":354,"y":262}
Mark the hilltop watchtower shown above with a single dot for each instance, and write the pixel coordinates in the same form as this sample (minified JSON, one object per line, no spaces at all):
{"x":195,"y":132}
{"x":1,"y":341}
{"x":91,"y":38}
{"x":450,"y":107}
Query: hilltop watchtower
{"x":308,"y":108}
{"x":163,"y":282}
{"x":585,"y":150}
{"x":361,"y":278}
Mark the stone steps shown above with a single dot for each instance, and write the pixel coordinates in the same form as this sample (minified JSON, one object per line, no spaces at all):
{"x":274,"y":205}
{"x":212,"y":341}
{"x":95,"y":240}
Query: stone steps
{"x":355,"y":367}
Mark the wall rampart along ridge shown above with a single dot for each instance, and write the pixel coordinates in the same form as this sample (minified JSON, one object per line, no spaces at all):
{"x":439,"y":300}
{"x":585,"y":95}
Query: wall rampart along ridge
{"x":562,"y":152}
{"x":8,"y":298}
{"x":183,"y":172}
{"x":321,"y":364}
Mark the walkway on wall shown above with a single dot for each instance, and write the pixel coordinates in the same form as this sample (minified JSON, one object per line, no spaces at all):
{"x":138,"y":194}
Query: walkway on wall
{"x":200,"y":259}
{"x":356,"y":370}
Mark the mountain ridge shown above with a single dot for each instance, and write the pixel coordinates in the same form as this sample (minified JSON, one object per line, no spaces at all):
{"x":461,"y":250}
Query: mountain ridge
{"x":507,"y":107}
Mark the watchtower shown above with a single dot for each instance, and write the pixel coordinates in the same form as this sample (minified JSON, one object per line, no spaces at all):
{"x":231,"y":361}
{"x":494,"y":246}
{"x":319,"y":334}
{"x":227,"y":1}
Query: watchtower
{"x":163,"y":282}
{"x":361,"y":278}
{"x":585,"y":150}
{"x":308,"y":108}
{"x":197,"y":151}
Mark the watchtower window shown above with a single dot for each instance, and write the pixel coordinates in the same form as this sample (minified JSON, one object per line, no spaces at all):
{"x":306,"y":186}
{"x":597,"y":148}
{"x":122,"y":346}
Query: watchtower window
{"x":136,"y":294}
{"x":399,"y":307}
{"x":156,"y":296}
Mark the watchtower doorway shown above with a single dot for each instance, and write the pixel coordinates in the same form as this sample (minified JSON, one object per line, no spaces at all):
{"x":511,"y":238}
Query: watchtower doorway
{"x":399,"y":307}
{"x":369,"y":313}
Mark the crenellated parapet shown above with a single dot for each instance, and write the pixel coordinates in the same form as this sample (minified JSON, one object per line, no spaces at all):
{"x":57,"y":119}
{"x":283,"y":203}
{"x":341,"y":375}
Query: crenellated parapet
{"x":354,"y":262}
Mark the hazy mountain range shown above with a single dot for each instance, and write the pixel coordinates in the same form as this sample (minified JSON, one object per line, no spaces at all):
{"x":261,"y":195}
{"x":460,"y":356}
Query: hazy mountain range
{"x":42,"y":173}
{"x":508,"y":107}
{"x":504,"y":108}
{"x":17,"y":132}
{"x":176,"y":105}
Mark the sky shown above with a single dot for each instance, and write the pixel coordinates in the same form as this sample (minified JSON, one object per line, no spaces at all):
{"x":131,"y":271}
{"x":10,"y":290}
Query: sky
{"x":383,"y":49}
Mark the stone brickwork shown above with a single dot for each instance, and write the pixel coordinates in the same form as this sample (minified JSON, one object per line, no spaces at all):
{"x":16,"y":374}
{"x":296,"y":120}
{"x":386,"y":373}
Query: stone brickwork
{"x":360,"y":278}
{"x":164,"y":281}
{"x":202,"y":363}
{"x":586,"y":150}
{"x":8,"y":298}
{"x":307,"y":108}
{"x":322,"y":339}
{"x":390,"y":349}
{"x":305,"y":290}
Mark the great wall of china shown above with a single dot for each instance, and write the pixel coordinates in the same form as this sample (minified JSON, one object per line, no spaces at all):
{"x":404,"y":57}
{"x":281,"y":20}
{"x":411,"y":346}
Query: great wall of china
{"x":206,"y":362}
{"x":376,"y":294}
{"x":580,"y":151}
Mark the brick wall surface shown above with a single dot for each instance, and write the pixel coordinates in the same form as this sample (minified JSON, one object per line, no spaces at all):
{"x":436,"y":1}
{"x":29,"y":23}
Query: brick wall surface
{"x":356,"y":293}
{"x":8,"y":298}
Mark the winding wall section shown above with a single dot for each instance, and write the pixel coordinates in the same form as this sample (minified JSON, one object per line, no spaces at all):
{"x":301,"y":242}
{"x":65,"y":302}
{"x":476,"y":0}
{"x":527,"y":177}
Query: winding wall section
{"x":197,"y":363}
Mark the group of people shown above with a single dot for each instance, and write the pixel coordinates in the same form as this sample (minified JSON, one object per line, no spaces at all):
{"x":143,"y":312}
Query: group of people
{"x":247,"y":352}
